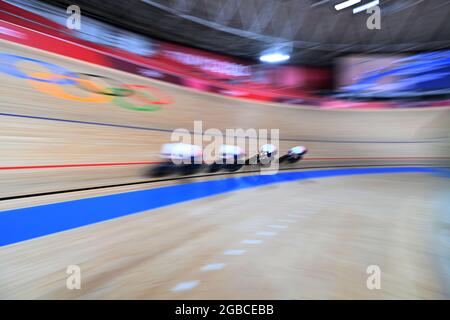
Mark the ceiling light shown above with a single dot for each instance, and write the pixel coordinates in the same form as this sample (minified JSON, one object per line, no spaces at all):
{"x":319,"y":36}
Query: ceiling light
{"x":366,"y":6}
{"x":274,"y":57}
{"x":346,"y":4}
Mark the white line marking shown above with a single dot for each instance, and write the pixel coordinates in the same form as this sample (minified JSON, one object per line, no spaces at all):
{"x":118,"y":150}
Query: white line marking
{"x":346,"y":4}
{"x":277,"y":226}
{"x":252,"y":241}
{"x":266,"y":233}
{"x":183,"y":286}
{"x":237,"y":252}
{"x":213,"y":266}
{"x":295,"y":216}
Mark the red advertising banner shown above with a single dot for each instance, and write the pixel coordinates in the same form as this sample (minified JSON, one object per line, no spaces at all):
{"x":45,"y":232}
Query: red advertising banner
{"x":177,"y":64}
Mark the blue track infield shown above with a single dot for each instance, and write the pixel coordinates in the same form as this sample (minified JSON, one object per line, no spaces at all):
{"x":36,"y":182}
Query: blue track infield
{"x":27,"y":223}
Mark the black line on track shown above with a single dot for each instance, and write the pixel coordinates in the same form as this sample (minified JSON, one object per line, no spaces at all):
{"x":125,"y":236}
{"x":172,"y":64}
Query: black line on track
{"x":196,"y":176}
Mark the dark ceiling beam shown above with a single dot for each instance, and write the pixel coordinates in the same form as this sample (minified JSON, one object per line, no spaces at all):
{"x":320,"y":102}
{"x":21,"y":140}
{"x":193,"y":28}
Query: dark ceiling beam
{"x":320,"y":35}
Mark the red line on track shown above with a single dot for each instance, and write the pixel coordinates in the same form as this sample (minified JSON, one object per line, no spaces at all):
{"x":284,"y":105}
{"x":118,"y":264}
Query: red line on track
{"x":74,"y":165}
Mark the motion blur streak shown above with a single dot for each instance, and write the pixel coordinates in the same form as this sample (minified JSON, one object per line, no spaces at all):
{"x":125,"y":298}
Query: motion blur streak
{"x":24,"y":224}
{"x":88,"y":180}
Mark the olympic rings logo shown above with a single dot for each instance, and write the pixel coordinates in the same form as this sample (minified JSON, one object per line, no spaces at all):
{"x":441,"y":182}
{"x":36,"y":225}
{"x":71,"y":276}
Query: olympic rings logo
{"x":58,"y":80}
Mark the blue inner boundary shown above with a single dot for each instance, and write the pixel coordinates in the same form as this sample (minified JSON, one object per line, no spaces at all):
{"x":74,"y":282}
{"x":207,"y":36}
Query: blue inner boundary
{"x":24,"y":224}
{"x":124,"y":126}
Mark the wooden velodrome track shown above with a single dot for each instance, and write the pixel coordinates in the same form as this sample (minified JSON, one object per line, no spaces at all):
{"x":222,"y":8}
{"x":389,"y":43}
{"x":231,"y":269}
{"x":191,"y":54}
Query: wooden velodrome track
{"x":332,"y":229}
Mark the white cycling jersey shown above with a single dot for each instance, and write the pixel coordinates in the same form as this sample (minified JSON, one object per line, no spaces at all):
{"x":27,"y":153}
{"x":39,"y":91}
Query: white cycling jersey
{"x":298,"y":150}
{"x":180,"y":151}
{"x":229,"y":151}
{"x":269,"y":148}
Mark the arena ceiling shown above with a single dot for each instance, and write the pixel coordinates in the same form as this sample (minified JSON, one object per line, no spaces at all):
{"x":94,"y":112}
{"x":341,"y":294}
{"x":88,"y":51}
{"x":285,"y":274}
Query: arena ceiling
{"x":312,"y":29}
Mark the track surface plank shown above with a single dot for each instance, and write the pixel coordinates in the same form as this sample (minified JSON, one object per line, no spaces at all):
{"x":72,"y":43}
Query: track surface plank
{"x":325,"y":232}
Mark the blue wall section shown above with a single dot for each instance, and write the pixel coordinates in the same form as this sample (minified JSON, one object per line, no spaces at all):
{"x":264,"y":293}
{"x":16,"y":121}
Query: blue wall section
{"x":418,"y":73}
{"x":28,"y":223}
